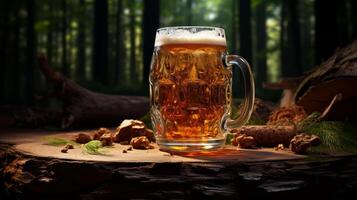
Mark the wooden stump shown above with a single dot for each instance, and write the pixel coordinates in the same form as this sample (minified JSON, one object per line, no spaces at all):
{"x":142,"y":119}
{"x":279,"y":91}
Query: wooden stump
{"x":30,"y":169}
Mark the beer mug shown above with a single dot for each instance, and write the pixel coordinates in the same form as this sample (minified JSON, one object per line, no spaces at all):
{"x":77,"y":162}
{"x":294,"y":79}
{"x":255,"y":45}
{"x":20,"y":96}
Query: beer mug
{"x":191,"y":89}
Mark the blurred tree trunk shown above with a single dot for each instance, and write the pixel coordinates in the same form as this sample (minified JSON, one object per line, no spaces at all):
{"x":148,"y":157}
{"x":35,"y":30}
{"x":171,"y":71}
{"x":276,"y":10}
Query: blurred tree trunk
{"x":353,"y":9}
{"x":71,"y":42}
{"x":9,"y":63}
{"x":15,"y":76}
{"x":282,"y":34}
{"x":81,"y":39}
{"x":65,"y":67}
{"x":189,"y":4}
{"x":4,"y":19}
{"x":331,"y":28}
{"x":120,"y":45}
{"x":56,"y":35}
{"x":294,"y":39}
{"x":245,"y":30}
{"x":151,"y":22}
{"x":261,"y":39}
{"x":50,"y":32}
{"x":290,"y":40}
{"x":306,"y":36}
{"x":234,"y":47}
{"x":100,"y":49}
{"x":30,"y":49}
{"x":235,"y":38}
{"x":133,"y":74}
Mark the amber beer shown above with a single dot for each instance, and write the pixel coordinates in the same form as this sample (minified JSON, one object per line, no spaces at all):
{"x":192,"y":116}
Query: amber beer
{"x":190,"y":91}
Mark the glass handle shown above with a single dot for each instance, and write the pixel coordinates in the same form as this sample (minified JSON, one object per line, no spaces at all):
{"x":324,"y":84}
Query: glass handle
{"x":248,"y":101}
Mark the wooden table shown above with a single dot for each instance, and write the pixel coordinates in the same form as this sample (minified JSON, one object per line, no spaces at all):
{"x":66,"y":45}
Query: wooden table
{"x":32,"y":169}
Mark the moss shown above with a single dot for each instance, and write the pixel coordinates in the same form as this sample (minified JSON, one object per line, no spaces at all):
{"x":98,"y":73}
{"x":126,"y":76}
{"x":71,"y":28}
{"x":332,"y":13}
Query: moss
{"x":336,"y":136}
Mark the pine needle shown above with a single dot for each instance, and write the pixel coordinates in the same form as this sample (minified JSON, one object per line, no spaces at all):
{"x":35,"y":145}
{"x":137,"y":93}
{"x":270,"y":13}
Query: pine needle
{"x":336,"y":136}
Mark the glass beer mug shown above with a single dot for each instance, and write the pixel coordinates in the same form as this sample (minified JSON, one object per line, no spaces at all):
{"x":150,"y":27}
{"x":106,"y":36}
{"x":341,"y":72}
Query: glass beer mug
{"x":191,"y":89}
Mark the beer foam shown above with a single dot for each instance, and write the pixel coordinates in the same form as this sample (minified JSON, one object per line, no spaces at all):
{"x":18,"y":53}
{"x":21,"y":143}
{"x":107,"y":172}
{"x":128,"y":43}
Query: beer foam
{"x":181,"y":36}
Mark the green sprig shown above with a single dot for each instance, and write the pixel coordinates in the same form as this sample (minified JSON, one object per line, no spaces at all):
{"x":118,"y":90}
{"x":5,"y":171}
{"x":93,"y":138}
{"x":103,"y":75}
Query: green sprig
{"x":94,"y":147}
{"x":336,"y":136}
{"x":56,"y":141}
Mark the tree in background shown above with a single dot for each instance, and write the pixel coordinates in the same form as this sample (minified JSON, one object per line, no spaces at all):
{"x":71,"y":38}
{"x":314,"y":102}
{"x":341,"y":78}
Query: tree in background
{"x":234,"y":32}
{"x":332,"y":29}
{"x":30,"y":49}
{"x":189,"y":4}
{"x":120,"y":44}
{"x":151,"y":23}
{"x":260,"y":66}
{"x":50,"y":31}
{"x":100,"y":49}
{"x":245,"y":30}
{"x":65,"y":66}
{"x":290,"y":40}
{"x":81,"y":42}
{"x":133,"y":65}
{"x":111,"y":41}
{"x":307,"y":34}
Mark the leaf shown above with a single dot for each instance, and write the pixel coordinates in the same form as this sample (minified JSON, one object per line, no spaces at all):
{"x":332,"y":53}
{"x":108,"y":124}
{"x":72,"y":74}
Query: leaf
{"x":94,"y":147}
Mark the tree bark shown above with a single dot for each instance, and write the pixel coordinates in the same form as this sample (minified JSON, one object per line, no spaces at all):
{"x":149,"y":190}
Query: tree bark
{"x":267,"y":135}
{"x":100,"y":48}
{"x":261,"y":65}
{"x":151,"y":22}
{"x":245,"y":30}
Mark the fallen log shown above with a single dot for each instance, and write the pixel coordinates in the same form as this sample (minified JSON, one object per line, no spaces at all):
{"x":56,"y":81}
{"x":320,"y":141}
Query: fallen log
{"x":81,"y":106}
{"x":318,"y":88}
